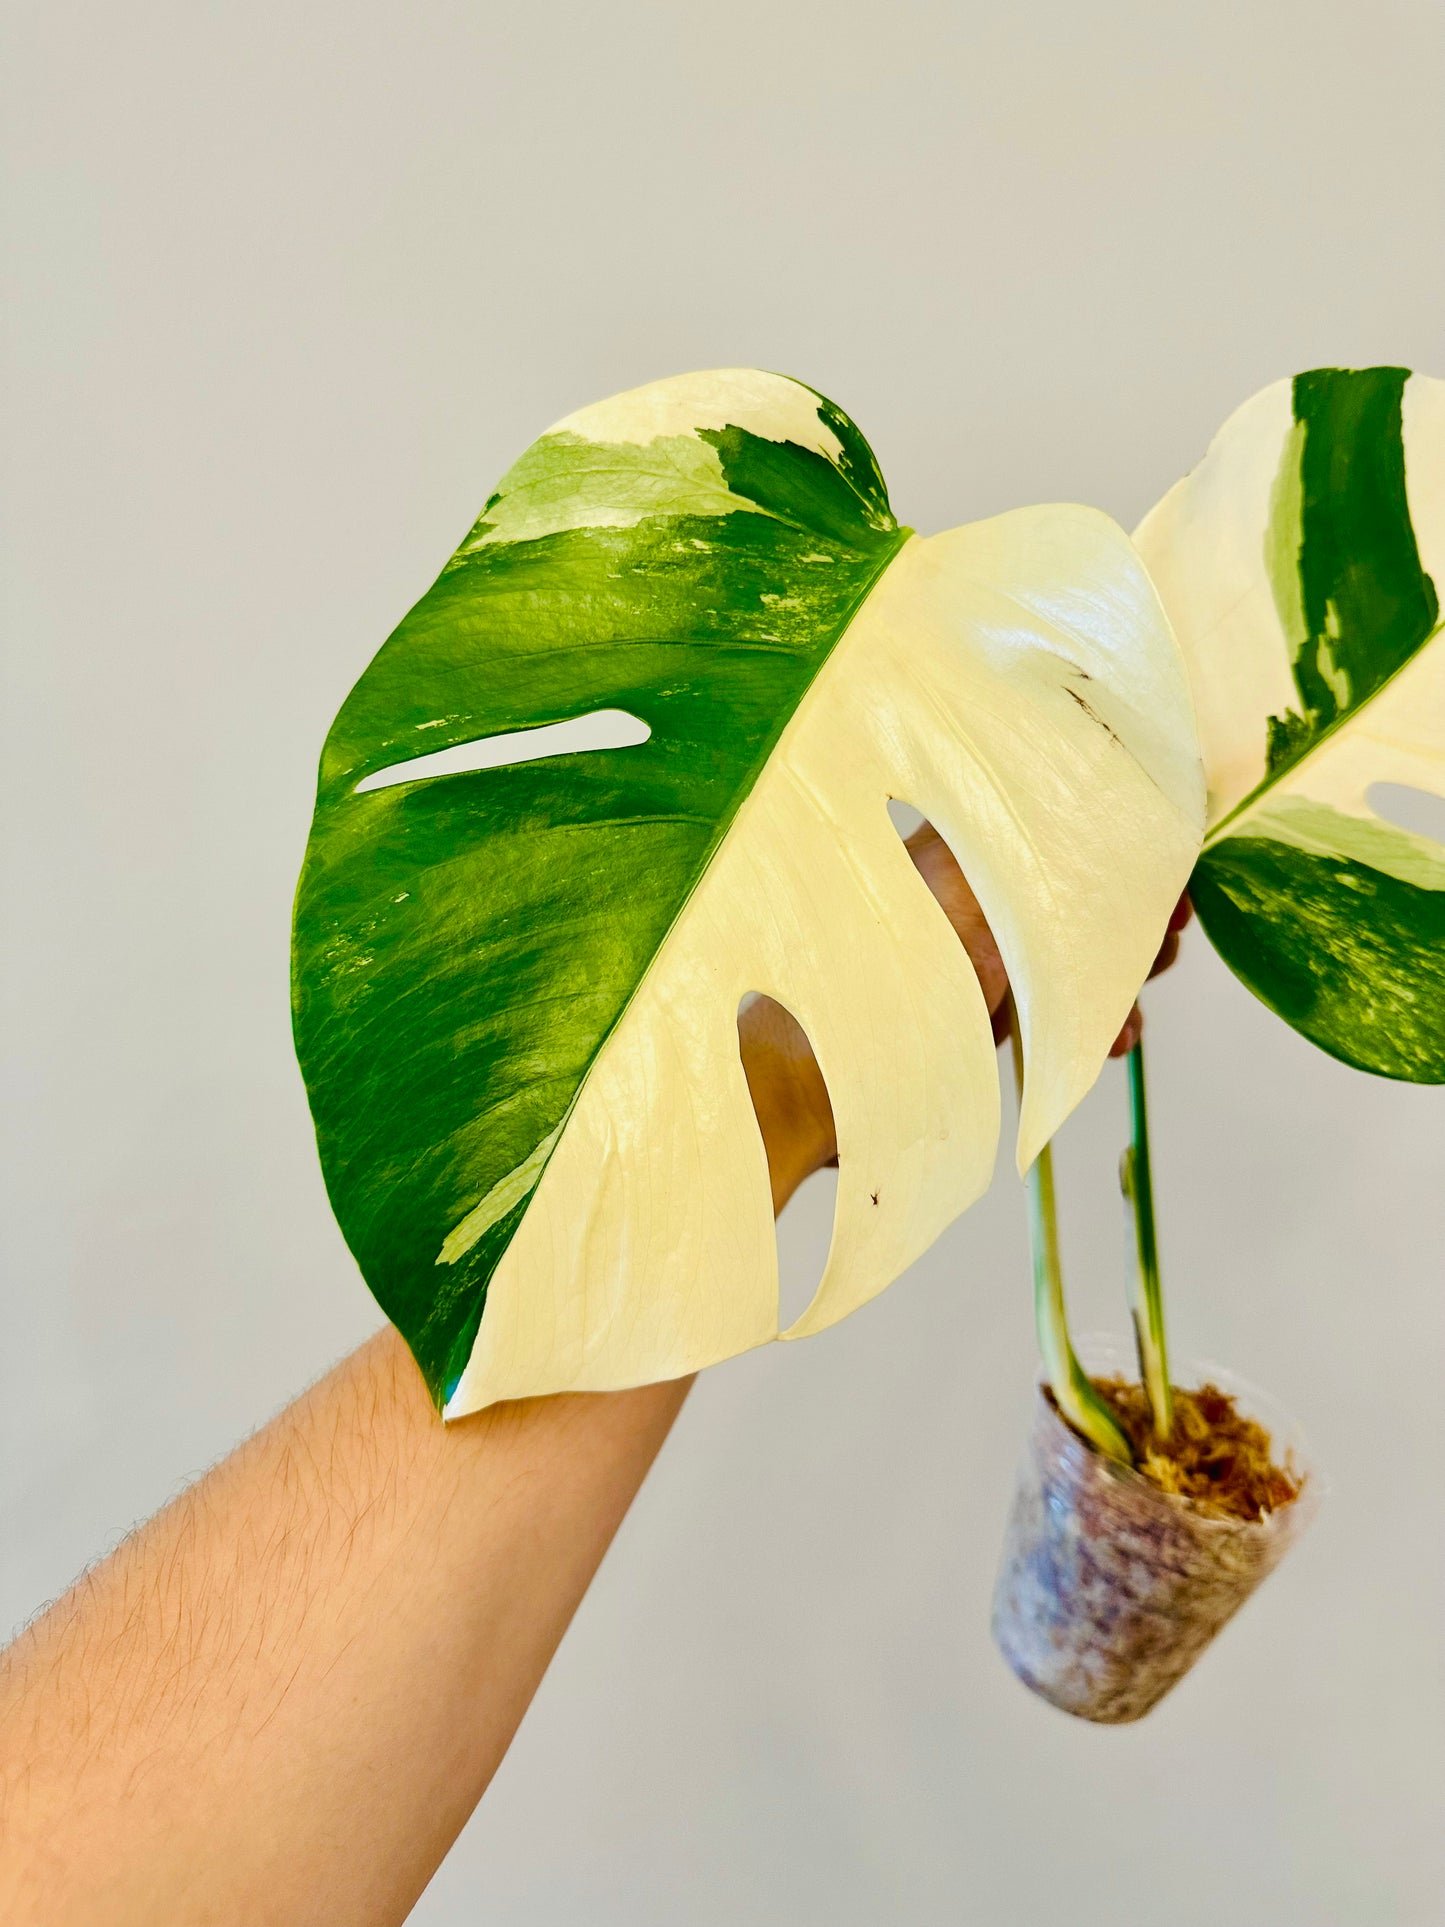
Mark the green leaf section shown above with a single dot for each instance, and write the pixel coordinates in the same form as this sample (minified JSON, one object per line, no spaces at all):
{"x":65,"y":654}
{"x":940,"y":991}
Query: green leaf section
{"x":464,"y":945}
{"x":1343,"y":557}
{"x":1352,"y":957}
{"x":1338,"y":921}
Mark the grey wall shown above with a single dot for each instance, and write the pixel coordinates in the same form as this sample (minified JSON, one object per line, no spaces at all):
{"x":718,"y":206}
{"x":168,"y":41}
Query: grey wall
{"x":294,"y":285}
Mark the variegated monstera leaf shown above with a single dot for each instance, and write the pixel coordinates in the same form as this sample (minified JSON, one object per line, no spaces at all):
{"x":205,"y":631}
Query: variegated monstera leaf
{"x":1300,"y":565}
{"x":519,"y":953}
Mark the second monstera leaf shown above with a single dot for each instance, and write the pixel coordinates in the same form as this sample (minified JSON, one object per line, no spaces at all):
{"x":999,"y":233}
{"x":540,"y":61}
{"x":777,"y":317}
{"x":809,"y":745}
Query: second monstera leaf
{"x":1300,"y":565}
{"x":516,"y":986}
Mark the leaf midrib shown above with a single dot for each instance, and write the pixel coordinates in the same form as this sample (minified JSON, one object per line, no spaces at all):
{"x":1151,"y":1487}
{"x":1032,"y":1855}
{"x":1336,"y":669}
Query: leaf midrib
{"x":745,"y":790}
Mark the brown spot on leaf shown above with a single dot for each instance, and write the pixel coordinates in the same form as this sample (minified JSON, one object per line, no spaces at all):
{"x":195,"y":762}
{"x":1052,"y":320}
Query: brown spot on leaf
{"x":1092,"y":714}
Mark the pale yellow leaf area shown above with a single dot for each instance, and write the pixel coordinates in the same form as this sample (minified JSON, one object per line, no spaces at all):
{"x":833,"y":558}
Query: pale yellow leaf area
{"x":1017,"y":682}
{"x":1204,"y":545}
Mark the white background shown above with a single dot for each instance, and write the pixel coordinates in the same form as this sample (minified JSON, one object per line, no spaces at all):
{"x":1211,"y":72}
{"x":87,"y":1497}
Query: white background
{"x":293,"y":285}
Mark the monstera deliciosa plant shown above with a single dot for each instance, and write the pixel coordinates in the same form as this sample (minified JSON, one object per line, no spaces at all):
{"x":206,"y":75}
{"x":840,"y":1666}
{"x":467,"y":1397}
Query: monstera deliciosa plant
{"x":630,"y":759}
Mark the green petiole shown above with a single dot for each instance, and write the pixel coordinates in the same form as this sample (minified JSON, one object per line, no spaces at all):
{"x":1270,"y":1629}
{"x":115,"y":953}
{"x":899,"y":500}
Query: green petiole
{"x":1077,"y":1400}
{"x":1146,"y":1301}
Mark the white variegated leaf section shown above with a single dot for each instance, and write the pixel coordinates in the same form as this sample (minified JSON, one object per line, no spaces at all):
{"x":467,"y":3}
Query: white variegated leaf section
{"x":1206,"y":546}
{"x":772,"y":406}
{"x":1015,"y":681}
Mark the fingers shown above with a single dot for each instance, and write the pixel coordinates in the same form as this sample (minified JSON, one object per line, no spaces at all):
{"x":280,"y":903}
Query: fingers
{"x":1168,"y":951}
{"x":1134,"y":1023}
{"x":1129,"y":1036}
{"x":1178,"y":918}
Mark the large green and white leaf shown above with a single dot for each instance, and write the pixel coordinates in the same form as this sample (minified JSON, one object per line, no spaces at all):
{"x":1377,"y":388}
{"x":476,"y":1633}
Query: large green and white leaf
{"x":516,"y":987}
{"x":1299,"y":564}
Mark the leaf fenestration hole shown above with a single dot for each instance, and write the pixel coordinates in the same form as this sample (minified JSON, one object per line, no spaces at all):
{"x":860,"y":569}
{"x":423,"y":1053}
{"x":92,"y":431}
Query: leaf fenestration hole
{"x":781,"y":1069}
{"x":599,"y":729}
{"x":940,"y":869}
{"x":1409,"y":809}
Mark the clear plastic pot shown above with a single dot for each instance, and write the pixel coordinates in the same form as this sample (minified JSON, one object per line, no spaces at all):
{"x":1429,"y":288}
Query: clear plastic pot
{"x":1109,"y":1589}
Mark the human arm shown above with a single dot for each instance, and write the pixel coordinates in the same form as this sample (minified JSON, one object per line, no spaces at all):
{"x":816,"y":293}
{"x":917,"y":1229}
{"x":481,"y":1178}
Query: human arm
{"x":281,"y":1698}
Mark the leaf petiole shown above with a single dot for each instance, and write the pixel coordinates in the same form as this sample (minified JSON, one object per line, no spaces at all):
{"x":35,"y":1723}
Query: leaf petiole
{"x":1077,"y":1400}
{"x":1146,"y":1300}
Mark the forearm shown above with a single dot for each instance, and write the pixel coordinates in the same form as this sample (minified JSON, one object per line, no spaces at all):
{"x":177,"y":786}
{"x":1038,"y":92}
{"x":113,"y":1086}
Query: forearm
{"x":282,"y":1698}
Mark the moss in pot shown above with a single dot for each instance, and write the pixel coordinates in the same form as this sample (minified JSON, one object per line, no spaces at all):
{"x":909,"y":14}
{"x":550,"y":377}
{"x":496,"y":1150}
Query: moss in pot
{"x":1113,"y":1579}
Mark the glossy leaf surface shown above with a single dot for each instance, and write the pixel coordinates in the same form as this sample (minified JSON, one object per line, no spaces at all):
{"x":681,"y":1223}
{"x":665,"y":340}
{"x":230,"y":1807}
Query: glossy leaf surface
{"x":516,"y":986}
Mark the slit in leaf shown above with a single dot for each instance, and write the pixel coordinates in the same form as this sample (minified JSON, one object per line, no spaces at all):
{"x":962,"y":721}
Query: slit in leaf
{"x":600,"y":729}
{"x":782,"y":1073}
{"x":1409,"y":809}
